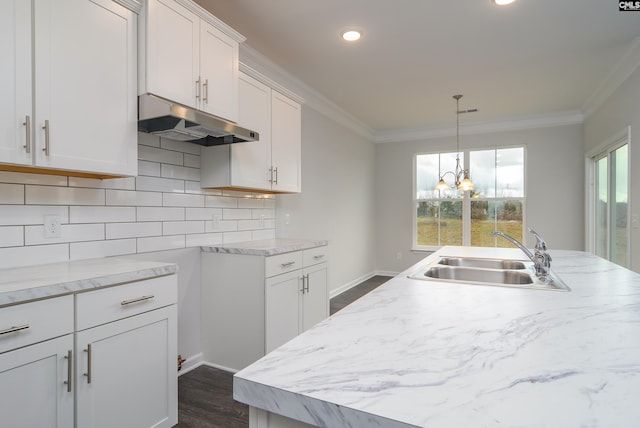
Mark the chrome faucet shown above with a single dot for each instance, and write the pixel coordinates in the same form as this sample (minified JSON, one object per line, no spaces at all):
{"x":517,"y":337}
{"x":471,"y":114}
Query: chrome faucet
{"x":540,"y":258}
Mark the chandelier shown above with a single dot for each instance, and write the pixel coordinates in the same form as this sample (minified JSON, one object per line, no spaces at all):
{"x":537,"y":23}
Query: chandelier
{"x":462,"y":180}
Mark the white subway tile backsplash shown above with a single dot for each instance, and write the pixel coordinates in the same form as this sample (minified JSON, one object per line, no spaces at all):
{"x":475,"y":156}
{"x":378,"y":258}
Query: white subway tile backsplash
{"x":220,"y":202}
{"x":48,"y":195}
{"x":154,"y":154}
{"x":149,"y":168}
{"x":133,"y":230}
{"x":95,"y":249}
{"x":32,"y":255}
{"x":101,"y":214}
{"x":146,"y":245}
{"x":199,"y":240}
{"x":34,"y":235}
{"x":30,"y":214}
{"x":160,"y":214}
{"x":182,"y":200}
{"x":162,"y":208}
{"x":192,"y":161}
{"x":11,"y":236}
{"x":180,"y":172}
{"x":156,"y":184}
{"x":182,"y":227}
{"x":134,"y":198}
{"x":11,"y":193}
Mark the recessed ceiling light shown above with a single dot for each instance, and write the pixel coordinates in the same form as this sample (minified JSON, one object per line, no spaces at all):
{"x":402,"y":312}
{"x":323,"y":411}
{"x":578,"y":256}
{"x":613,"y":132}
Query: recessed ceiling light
{"x":351,"y":35}
{"x":503,"y":2}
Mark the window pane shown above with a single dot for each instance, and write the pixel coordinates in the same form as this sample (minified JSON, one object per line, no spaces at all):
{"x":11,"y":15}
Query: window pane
{"x":510,"y":173}
{"x":509,"y":221}
{"x":427,"y":167}
{"x":482,"y":169}
{"x":619,"y":177}
{"x":487,"y":216}
{"x":439,"y":223}
{"x":601,"y":237}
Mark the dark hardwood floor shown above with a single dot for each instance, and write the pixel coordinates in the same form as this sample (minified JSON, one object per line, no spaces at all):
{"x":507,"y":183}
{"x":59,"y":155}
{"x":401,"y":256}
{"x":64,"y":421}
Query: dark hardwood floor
{"x":205,"y":394}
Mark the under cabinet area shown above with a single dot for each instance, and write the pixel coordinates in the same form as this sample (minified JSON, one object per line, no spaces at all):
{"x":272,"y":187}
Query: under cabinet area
{"x":68,"y":89}
{"x":189,"y":56}
{"x":253,"y":303}
{"x":271,"y":164}
{"x":103,"y":356}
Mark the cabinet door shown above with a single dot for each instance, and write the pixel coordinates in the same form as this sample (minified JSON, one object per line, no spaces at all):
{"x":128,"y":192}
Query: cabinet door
{"x":315,"y":300}
{"x":34,"y":388}
{"x":85,"y":62}
{"x":282,"y":309}
{"x":172,"y":52}
{"x":15,"y":85}
{"x":219,"y":72}
{"x":250,"y":162}
{"x":127,"y":372}
{"x":286,"y":140}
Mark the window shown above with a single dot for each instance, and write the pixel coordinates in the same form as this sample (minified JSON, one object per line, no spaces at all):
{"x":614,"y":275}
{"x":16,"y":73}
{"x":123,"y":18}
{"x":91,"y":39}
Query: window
{"x":610,"y":208}
{"x":454,"y":217}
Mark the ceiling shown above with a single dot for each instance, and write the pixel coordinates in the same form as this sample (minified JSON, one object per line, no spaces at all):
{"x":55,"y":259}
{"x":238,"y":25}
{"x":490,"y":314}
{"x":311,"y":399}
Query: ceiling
{"x":530,"y":58}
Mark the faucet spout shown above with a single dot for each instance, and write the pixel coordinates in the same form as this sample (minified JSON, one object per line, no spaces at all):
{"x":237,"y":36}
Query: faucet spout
{"x":541,"y":259}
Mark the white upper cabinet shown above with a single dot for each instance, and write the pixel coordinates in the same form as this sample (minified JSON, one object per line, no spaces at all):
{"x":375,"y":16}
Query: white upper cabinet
{"x":190,"y":57}
{"x":81,"y":57}
{"x":271,"y":164}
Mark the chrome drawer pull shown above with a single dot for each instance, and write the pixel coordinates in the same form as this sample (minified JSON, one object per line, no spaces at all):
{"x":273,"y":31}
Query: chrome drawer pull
{"x":15,"y":329}
{"x":88,"y":373}
{"x":27,"y":124}
{"x":319,"y":256}
{"x":69,"y":359}
{"x":137,"y":300}
{"x":284,"y":265}
{"x":47,"y":137}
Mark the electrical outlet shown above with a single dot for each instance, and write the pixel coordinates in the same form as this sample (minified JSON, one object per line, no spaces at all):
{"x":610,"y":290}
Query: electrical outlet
{"x":287,"y":218}
{"x":52,"y":228}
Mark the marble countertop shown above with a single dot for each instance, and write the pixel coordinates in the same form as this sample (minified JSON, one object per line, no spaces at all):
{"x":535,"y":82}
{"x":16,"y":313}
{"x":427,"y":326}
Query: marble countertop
{"x":19,"y":285}
{"x":267,"y":247}
{"x":435,"y":354}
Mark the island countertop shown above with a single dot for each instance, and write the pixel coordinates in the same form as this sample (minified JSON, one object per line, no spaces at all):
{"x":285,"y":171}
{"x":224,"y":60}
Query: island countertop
{"x":437,"y":354}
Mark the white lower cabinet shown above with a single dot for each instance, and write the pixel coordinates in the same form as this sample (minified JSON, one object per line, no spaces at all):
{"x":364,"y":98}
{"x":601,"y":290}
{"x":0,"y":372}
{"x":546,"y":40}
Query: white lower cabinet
{"x":118,"y":370}
{"x":252,"y":304}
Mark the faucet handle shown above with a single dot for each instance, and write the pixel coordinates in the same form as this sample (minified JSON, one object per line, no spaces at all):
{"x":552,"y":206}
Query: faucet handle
{"x":540,"y":244}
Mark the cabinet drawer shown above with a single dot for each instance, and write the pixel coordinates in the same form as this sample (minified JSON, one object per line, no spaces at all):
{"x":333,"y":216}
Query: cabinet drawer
{"x":113,"y":303}
{"x":313,"y":256}
{"x":282,"y":263}
{"x":34,"y":322}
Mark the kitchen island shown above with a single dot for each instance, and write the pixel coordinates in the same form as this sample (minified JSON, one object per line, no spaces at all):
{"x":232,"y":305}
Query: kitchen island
{"x":441,"y":354}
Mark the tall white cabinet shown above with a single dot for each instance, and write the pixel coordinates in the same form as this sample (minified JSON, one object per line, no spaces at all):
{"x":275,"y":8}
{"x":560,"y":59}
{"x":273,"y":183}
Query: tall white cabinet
{"x":189,"y":56}
{"x":68,"y":88}
{"x":271,"y":164}
{"x":252,"y":304}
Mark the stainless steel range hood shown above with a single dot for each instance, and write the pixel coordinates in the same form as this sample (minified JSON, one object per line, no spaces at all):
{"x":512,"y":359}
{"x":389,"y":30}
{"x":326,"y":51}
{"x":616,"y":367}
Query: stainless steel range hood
{"x":168,"y":119}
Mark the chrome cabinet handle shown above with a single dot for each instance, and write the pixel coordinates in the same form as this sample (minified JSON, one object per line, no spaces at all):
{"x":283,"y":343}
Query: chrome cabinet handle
{"x":287,"y":264}
{"x":137,"y":300}
{"x":88,"y":373}
{"x":318,"y":257}
{"x":69,"y":369}
{"x":27,"y":124}
{"x":271,"y":175}
{"x":46,"y":128}
{"x":205,"y":85}
{"x":305,"y":283}
{"x":198,"y":88}
{"x":276,"y":171}
{"x":14,"y":329}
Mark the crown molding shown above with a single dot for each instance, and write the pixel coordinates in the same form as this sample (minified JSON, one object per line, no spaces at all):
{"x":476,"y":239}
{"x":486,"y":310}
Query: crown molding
{"x":475,"y":128}
{"x":254,"y":62}
{"x":133,"y":5}
{"x":211,"y":19}
{"x":271,"y":83}
{"x":621,"y":72}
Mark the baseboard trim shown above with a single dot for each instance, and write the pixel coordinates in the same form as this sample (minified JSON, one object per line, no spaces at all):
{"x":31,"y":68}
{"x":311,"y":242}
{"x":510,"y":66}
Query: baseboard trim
{"x":386,"y":273}
{"x":218,"y":366}
{"x":333,"y":293}
{"x":191,"y":363}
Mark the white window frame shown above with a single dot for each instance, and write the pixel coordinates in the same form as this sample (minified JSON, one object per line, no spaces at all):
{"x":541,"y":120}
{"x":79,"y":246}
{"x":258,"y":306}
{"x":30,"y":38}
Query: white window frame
{"x":466,"y":200}
{"x":613,"y":143}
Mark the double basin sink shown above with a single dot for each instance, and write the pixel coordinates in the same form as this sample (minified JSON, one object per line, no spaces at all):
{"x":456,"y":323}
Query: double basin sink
{"x":480,"y":271}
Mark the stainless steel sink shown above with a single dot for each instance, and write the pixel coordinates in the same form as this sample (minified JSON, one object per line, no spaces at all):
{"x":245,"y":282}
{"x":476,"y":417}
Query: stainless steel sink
{"x":480,"y":275}
{"x":482,"y":263}
{"x":479,"y":271}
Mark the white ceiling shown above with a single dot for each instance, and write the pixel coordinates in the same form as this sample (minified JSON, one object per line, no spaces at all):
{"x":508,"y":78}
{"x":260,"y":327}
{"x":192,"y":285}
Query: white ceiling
{"x":531,"y":58}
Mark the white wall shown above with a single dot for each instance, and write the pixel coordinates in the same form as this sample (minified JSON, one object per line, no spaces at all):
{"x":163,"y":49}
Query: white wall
{"x":337,"y":199}
{"x":554,"y":188}
{"x":619,"y":111}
